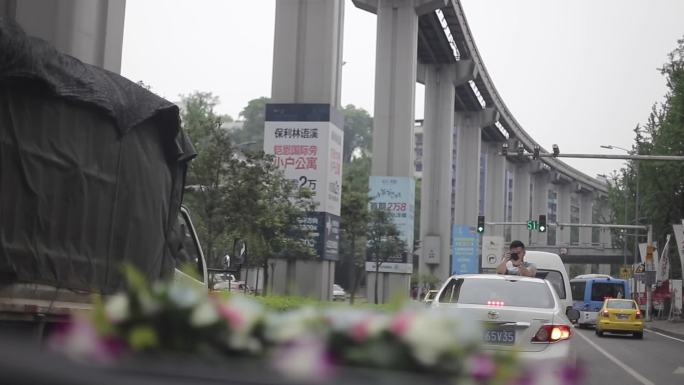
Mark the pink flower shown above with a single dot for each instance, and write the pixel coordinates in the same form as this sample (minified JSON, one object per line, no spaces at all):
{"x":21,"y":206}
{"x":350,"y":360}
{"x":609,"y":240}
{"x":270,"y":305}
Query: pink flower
{"x":80,"y":340}
{"x":304,"y":360}
{"x":401,"y":323}
{"x":359,"y":332}
{"x":481,"y":367}
{"x":234,"y":318}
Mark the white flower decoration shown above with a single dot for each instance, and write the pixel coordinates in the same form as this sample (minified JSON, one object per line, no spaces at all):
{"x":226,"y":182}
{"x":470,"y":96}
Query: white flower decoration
{"x":117,"y":308}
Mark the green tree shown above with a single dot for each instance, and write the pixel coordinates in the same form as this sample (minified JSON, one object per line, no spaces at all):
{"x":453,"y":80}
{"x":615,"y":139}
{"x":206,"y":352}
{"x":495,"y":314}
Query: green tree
{"x":207,"y":174}
{"x":661,"y":184}
{"x":269,"y":210}
{"x":234,"y":195}
{"x":384,"y":242}
{"x":358,"y":126}
{"x":252,"y":132}
{"x":354,"y":221}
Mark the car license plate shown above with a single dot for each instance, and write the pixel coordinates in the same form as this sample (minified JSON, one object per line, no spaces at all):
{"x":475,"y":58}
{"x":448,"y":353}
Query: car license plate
{"x":622,"y":316}
{"x":499,"y":336}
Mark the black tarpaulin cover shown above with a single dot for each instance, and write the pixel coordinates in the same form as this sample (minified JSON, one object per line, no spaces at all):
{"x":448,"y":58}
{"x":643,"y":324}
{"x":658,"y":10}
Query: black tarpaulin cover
{"x":91,"y":170}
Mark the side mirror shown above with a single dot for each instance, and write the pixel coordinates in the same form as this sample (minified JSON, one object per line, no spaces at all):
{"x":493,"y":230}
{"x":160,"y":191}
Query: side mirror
{"x":573,"y":314}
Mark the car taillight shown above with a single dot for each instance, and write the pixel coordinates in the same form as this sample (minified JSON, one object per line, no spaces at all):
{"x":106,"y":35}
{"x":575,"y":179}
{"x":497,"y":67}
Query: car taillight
{"x":552,"y":333}
{"x":638,"y":314}
{"x":605,"y":314}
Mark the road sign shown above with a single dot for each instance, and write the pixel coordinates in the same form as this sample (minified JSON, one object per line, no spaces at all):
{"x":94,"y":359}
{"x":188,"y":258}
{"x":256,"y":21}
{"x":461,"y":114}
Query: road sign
{"x":532,"y":225}
{"x":647,"y":277}
{"x":625,"y":272}
{"x":640,"y":268}
{"x":492,"y":251}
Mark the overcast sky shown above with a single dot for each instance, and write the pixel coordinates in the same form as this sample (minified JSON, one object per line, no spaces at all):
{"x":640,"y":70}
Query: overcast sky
{"x":577,"y":73}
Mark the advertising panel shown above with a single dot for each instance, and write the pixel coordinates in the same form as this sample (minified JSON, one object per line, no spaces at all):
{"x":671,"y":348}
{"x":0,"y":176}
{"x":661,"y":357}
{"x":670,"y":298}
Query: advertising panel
{"x":307,"y":145}
{"x":679,"y":238}
{"x":465,"y":246}
{"x":677,"y":292}
{"x":324,"y":234}
{"x":395,"y":195}
{"x":309,"y":153}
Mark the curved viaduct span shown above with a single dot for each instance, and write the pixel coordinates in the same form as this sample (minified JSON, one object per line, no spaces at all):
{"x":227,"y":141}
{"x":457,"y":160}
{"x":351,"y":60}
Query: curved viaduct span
{"x":466,"y":120}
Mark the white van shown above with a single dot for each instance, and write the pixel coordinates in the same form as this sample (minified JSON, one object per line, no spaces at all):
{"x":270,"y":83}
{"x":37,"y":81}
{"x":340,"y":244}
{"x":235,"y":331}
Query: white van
{"x":550,"y":267}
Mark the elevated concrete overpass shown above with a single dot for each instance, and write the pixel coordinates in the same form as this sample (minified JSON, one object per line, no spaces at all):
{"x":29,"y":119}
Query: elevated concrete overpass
{"x":465,"y":124}
{"x":466,"y":121}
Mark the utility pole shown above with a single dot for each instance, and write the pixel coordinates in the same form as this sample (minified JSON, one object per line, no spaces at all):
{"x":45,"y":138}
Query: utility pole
{"x":649,"y":268}
{"x":537,"y":154}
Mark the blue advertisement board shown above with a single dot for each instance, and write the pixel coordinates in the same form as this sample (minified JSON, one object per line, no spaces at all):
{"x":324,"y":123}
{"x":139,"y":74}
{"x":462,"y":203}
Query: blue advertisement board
{"x":465,"y":247}
{"x":395,"y":195}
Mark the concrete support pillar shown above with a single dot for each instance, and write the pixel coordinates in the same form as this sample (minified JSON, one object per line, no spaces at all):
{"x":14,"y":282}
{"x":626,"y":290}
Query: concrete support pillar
{"x":90,"y":30}
{"x":307,"y":53}
{"x":563,"y":234}
{"x":304,"y":278}
{"x":468,"y":126}
{"x":307,"y":66}
{"x":540,"y":203}
{"x":495,"y":189}
{"x":395,"y":83}
{"x":521,"y":202}
{"x":435,"y":218}
{"x":586,"y":217}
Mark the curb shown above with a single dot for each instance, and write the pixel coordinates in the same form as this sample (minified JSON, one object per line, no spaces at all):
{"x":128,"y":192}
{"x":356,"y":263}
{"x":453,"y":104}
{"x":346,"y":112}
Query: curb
{"x":666,"y":332}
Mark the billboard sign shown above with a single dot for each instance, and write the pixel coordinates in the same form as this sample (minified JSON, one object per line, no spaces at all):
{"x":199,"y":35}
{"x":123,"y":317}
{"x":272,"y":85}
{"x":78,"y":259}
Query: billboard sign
{"x":310,"y":154}
{"x":395,"y":195}
{"x":465,"y":247}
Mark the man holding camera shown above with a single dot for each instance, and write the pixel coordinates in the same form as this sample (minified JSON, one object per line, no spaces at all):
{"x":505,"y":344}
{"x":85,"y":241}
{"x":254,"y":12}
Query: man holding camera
{"x":513,"y":262}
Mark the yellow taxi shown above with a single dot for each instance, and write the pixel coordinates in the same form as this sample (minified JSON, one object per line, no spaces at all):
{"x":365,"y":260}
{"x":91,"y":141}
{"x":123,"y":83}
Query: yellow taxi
{"x":620,"y":316}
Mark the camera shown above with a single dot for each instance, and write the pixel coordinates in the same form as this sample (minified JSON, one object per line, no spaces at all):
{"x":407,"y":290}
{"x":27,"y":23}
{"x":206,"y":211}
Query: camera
{"x":514,"y":256}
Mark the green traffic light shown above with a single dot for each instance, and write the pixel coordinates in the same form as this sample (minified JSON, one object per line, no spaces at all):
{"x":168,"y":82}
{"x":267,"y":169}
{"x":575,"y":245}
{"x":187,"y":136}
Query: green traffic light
{"x":542,"y":229}
{"x":480,"y":229}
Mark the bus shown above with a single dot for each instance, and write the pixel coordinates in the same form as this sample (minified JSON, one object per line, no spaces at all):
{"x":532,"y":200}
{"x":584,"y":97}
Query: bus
{"x":590,"y":290}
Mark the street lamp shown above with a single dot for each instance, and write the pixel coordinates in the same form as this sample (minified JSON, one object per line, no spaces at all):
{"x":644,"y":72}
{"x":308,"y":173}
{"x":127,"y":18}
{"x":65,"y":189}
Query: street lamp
{"x":636,"y":209}
{"x":611,"y":147}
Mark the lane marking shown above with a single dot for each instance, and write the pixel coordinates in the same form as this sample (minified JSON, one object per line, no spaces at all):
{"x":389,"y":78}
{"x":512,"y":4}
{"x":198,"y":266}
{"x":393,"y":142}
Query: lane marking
{"x":619,"y":363}
{"x":679,"y":370}
{"x":664,"y":335}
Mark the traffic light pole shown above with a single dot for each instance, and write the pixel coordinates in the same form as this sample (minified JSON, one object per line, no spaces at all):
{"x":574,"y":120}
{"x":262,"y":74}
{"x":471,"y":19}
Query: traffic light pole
{"x":597,"y":225}
{"x":600,"y":156}
{"x":521,"y":154}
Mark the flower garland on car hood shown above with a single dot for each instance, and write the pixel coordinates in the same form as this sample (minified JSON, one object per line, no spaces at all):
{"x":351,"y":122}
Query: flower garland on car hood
{"x":310,"y":342}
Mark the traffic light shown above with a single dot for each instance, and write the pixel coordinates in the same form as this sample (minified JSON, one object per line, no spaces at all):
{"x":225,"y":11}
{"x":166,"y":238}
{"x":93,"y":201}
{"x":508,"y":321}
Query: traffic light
{"x":480,"y":224}
{"x":542,"y":223}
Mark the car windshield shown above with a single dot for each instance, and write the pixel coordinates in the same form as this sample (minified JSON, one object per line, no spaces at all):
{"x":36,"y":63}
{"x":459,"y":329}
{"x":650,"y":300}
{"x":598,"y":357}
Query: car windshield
{"x":481,"y":291}
{"x":337,"y":287}
{"x":620,"y":304}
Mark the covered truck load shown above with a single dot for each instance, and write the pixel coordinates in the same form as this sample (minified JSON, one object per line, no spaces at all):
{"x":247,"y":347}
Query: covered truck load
{"x":92,"y":168}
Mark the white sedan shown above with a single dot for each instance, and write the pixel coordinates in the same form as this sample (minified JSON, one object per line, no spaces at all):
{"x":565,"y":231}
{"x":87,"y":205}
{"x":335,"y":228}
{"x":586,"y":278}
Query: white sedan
{"x":516,"y":313}
{"x":338,"y":293}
